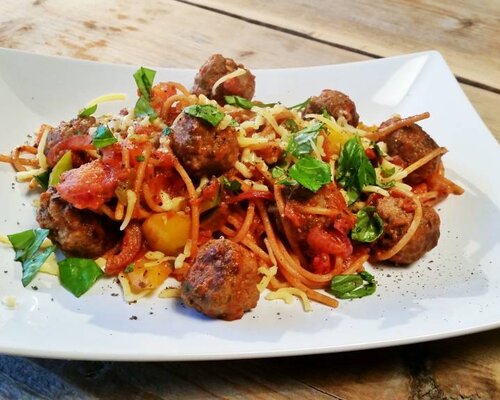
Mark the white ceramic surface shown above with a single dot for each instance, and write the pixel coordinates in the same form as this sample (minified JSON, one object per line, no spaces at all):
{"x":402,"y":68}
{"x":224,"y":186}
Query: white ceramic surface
{"x":453,"y":290}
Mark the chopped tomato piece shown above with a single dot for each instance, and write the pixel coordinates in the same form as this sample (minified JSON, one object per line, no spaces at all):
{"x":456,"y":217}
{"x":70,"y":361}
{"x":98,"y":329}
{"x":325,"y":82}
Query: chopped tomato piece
{"x":334,"y":242}
{"x":130,"y":248}
{"x":321,"y":264}
{"x":89,"y":186}
{"x":73,"y":143}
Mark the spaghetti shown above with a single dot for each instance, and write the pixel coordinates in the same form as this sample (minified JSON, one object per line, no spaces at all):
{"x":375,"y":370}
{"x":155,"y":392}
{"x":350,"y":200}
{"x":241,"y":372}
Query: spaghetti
{"x":180,"y":169}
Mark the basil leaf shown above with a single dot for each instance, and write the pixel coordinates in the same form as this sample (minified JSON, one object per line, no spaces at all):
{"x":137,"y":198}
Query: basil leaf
{"x":302,"y":142}
{"x":206,"y":112}
{"x":291,"y":125}
{"x":43,"y":180}
{"x":27,"y":245}
{"x":143,"y":109}
{"x":369,"y":226}
{"x":87,"y":112}
{"x":64,"y":164}
{"x":239,"y":101}
{"x":233,"y":185}
{"x":311,"y":173}
{"x":103,"y":137}
{"x":353,"y":286}
{"x":301,"y":106}
{"x":130,"y":268}
{"x":166,"y":131}
{"x":78,"y":274}
{"x":33,"y":264}
{"x":144,"y":78}
{"x":354,"y":169}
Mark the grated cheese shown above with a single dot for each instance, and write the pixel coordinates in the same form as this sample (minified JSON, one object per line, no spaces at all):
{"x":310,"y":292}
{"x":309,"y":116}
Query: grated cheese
{"x":106,"y":98}
{"x":40,"y":152}
{"x":286,"y":294}
{"x":375,"y":189}
{"x":128,"y":294}
{"x":131,"y":200}
{"x":268,"y":273}
{"x":169,"y":293}
{"x":231,"y":75}
{"x":50,"y":265}
{"x":9,"y":301}
{"x":243,"y":169}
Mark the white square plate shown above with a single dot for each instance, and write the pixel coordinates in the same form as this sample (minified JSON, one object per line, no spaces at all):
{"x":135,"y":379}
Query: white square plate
{"x":453,"y":290}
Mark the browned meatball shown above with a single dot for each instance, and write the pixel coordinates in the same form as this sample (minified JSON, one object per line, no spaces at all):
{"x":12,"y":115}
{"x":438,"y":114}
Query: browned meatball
{"x":336,"y":103}
{"x":215,"y":68}
{"x":202,"y":149}
{"x":222,"y":282}
{"x":396,"y":224}
{"x":411,"y":144}
{"x":76,"y":127}
{"x":79,"y":233}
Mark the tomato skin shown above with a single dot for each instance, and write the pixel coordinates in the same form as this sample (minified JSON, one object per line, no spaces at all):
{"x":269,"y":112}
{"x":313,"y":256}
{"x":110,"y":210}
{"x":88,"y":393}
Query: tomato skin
{"x":73,"y":143}
{"x":160,"y":93}
{"x":130,"y":248}
{"x":321,"y":264}
{"x":329,"y":242}
{"x":89,"y":186}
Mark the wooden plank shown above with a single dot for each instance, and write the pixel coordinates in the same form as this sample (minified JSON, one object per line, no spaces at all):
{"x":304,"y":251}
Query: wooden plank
{"x":130,"y":35}
{"x":161,"y":33}
{"x":466,"y":33}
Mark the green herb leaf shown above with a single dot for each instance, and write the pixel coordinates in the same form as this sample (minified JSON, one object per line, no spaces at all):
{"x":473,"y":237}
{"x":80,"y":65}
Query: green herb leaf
{"x":239,"y":102}
{"x":143,"y":109}
{"x":369,"y":226}
{"x":87,"y":112}
{"x":27,"y":245}
{"x":353,"y":286}
{"x":78,"y":274}
{"x":103,"y":137}
{"x":233,"y":185}
{"x":301,"y":106}
{"x":140,"y":158}
{"x":302,"y":142}
{"x":291,"y":125}
{"x":311,"y":173}
{"x":206,"y":112}
{"x":354,"y":169}
{"x":144,"y":78}
{"x":166,"y":131}
{"x":130,"y":268}
{"x":64,"y":164}
{"x":32,"y":265}
{"x":43,"y":180}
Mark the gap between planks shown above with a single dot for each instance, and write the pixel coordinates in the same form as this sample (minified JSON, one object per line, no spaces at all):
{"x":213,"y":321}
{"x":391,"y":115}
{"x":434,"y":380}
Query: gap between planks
{"x":303,"y":35}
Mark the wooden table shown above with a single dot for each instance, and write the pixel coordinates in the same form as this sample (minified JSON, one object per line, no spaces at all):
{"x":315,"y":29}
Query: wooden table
{"x":261,"y":33}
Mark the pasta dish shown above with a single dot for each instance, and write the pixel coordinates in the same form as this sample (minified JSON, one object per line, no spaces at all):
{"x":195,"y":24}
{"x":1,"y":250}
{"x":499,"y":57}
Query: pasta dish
{"x":228,"y":196}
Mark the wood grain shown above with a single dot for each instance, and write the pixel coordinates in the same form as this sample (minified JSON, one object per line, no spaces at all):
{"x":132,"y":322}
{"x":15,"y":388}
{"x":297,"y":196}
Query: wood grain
{"x":269,"y":34}
{"x":467,"y":36}
{"x":136,"y":33}
{"x":453,"y":369}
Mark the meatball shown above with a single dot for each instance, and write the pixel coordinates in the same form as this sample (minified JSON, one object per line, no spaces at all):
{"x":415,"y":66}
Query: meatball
{"x":222,"y":282}
{"x":78,"y":233}
{"x":411,"y":144}
{"x":76,"y":127}
{"x":215,"y":68}
{"x":396,"y":224}
{"x":202,"y":149}
{"x":336,"y":103}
